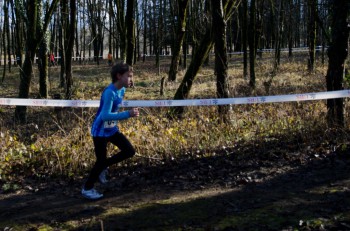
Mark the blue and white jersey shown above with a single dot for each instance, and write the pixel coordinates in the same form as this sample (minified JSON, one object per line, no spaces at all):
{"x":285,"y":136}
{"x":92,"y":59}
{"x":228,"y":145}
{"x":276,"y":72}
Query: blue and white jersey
{"x":105,"y":123}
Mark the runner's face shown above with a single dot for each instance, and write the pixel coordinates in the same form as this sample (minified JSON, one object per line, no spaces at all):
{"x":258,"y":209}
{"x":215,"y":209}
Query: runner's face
{"x":126,"y":79}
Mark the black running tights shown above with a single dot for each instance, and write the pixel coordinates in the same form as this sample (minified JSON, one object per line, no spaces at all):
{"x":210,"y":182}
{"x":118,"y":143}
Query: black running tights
{"x":102,"y":162}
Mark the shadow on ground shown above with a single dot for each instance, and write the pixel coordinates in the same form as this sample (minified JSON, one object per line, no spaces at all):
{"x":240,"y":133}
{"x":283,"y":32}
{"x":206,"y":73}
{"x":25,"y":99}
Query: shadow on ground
{"x":270,"y":188}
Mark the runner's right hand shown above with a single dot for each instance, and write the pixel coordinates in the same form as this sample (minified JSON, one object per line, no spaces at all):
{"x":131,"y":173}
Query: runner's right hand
{"x":134,"y":112}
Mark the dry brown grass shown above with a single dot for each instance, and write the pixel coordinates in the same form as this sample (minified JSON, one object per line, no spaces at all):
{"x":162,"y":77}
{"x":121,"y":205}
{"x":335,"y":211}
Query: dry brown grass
{"x":48,"y":145}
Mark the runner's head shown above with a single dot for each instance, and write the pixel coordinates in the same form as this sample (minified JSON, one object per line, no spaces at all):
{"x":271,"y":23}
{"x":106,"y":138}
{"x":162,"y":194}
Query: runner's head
{"x":122,"y":74}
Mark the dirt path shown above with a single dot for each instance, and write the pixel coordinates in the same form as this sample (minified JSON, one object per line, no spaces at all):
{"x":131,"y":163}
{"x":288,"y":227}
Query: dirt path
{"x":302,"y":191}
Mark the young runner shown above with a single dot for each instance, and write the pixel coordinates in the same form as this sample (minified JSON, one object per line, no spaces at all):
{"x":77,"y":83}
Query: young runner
{"x":104,"y":129}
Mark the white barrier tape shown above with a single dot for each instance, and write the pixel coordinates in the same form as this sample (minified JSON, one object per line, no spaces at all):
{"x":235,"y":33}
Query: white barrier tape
{"x":175,"y":103}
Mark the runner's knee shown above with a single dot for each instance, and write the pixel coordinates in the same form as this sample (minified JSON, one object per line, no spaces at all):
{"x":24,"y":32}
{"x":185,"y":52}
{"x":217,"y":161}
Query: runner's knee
{"x":131,"y":152}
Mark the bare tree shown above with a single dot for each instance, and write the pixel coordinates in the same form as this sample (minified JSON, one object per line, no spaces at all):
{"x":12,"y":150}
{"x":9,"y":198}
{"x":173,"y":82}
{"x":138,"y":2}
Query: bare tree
{"x":53,"y":34}
{"x":8,"y":35}
{"x":43,"y":60}
{"x":19,"y":31}
{"x":157,"y":21}
{"x":97,"y":16}
{"x":121,"y":25}
{"x":69,"y":35}
{"x":245,"y":37}
{"x":33,"y":38}
{"x":76,"y":36}
{"x":290,"y":27}
{"x":61,"y":32}
{"x":221,"y":63}
{"x":337,"y":53}
{"x":278,"y":37}
{"x":144,"y":30}
{"x":312,"y":12}
{"x":199,"y":58}
{"x":111,"y":21}
{"x":252,"y":43}
{"x":1,"y":35}
{"x":180,"y":35}
{"x":83,"y":33}
{"x":4,"y":38}
{"x":130,"y":26}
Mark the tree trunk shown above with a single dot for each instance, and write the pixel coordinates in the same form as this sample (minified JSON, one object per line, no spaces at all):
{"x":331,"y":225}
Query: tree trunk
{"x":76,"y":38}
{"x":101,"y":31}
{"x":43,"y":60}
{"x":157,"y":35}
{"x":297,"y":32}
{"x":181,"y":29}
{"x":252,"y":45}
{"x":130,"y":25}
{"x":230,"y":37}
{"x":24,"y":87}
{"x":259,"y":28}
{"x":291,"y":28}
{"x":197,"y":61}
{"x":312,"y":11}
{"x":69,"y":42}
{"x":33,"y":38}
{"x":221,"y":63}
{"x":199,"y":57}
{"x":121,"y":29}
{"x":19,"y":33}
{"x":151,"y":29}
{"x":84,"y":33}
{"x":63,"y":5}
{"x":337,"y":54}
{"x":245,"y":38}
{"x":26,"y":70}
{"x":278,"y":42}
{"x":144,"y":30}
{"x":184,"y":53}
{"x":8,"y":35}
{"x":43,"y":69}
{"x":13,"y":50}
{"x":96,"y":24}
{"x":1,"y":36}
{"x":6,"y":22}
{"x":53,"y":35}
{"x":136,"y":52}
{"x":270,"y":33}
{"x":111,"y":19}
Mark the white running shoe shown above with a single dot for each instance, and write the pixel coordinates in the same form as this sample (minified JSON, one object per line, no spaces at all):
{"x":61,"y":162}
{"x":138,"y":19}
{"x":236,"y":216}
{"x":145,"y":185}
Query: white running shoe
{"x":91,"y":194}
{"x":103,"y":177}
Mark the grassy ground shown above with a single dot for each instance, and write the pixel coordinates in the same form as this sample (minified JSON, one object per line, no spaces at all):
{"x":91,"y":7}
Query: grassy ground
{"x":272,"y":167}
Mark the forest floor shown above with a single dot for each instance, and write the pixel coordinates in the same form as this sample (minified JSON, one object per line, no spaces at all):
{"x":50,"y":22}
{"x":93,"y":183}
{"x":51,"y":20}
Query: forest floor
{"x":294,"y":181}
{"x":281,"y":186}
